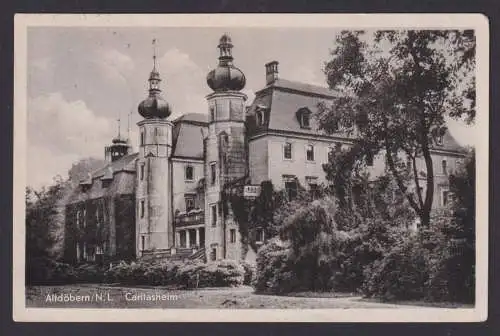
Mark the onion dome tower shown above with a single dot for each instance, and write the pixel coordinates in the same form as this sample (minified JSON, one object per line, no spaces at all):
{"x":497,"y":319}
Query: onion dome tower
{"x":226,"y":155}
{"x":154,"y":220}
{"x":154,"y":106}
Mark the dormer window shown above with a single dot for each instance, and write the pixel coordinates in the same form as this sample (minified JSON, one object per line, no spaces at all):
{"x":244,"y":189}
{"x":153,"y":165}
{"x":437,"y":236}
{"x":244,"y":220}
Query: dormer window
{"x":304,"y":117}
{"x":259,"y":115}
{"x":305,"y":121}
{"x":439,"y":140}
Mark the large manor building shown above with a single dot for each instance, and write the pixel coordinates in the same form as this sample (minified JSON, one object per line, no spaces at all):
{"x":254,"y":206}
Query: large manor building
{"x":165,"y":199}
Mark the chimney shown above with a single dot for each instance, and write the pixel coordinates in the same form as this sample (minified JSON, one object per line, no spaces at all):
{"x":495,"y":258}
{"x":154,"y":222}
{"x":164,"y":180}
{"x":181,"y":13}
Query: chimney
{"x":271,"y":72}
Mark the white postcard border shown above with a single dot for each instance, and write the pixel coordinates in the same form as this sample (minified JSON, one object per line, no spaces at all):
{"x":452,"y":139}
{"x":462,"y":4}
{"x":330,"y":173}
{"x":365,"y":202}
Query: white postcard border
{"x":478,"y":22}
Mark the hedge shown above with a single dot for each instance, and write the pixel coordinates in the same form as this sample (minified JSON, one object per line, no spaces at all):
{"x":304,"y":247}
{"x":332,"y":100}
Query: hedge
{"x":224,"y":273}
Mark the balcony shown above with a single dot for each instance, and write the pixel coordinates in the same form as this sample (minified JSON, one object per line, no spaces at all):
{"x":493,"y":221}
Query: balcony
{"x":192,"y":217}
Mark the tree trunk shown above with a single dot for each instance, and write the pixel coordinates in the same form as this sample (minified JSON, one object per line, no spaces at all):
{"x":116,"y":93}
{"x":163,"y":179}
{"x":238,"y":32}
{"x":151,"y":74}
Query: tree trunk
{"x":429,"y":193}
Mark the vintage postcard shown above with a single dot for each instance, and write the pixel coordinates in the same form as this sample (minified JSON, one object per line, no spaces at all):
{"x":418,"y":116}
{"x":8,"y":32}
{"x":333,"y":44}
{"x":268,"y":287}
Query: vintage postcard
{"x":324,"y":168}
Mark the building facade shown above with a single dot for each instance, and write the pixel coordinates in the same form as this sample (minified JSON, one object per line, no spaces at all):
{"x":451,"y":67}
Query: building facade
{"x":166,"y":200}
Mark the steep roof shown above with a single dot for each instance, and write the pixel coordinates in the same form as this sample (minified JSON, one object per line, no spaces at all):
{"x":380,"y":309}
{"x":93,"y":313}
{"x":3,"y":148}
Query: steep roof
{"x":309,"y":89}
{"x":125,"y":163}
{"x":188,"y":137}
{"x":449,"y":143}
{"x":121,"y":174}
{"x":123,"y":183}
{"x":281,"y":100}
{"x":193,"y":118}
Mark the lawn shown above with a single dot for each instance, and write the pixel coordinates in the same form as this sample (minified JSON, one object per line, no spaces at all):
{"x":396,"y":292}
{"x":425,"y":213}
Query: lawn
{"x":109,"y":296}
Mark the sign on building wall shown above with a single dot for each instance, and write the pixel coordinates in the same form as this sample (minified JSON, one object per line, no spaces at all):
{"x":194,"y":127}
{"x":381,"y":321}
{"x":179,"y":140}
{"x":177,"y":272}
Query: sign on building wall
{"x":251,"y":191}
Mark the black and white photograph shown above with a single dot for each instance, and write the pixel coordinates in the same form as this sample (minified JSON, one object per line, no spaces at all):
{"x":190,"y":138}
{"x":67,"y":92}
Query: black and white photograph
{"x":251,"y":167}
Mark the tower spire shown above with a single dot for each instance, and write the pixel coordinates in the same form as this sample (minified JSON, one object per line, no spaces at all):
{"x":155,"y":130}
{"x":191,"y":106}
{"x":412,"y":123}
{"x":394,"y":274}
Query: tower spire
{"x":119,"y":124}
{"x":129,"y":116}
{"x":154,"y":55}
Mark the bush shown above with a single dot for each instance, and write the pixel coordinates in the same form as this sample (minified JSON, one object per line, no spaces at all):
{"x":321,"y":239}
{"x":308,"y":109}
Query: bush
{"x":128,"y":274}
{"x":250,"y":273}
{"x":224,"y":273}
{"x":89,"y":273}
{"x":45,"y":271}
{"x":452,"y":266}
{"x":273,"y":272}
{"x":401,"y":274}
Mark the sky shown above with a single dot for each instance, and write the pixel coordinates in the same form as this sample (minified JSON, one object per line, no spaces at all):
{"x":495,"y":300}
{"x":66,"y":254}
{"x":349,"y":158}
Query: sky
{"x":81,"y":80}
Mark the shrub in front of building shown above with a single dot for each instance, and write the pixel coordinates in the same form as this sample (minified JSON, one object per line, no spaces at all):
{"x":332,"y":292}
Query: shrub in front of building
{"x":224,"y":273}
{"x":250,"y":273}
{"x":274,"y":274}
{"x":45,"y":271}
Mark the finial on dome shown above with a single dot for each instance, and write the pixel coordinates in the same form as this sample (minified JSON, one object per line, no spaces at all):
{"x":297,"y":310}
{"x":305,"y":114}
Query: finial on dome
{"x":154,"y":106}
{"x":225,"y":46}
{"x":226,"y":77}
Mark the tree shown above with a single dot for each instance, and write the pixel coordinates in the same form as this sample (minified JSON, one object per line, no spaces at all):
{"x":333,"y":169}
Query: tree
{"x":41,"y":214}
{"x":397,"y":88}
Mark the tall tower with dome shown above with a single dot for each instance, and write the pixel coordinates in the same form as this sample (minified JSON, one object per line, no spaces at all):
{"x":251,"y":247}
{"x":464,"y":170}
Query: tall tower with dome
{"x":225,"y":154}
{"x":154,"y":183}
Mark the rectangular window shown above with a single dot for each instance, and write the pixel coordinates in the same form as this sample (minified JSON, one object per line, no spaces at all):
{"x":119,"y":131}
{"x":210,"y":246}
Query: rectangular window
{"x":142,"y":138}
{"x":369,"y":160}
{"x":213,"y":213}
{"x":329,"y":153}
{"x":312,"y":182}
{"x":444,"y":167}
{"x":445,"y":197}
{"x":97,"y":217}
{"x":290,"y":186}
{"x":143,"y":243}
{"x":189,"y":202}
{"x":189,"y":173}
{"x":213,"y":254}
{"x":232,"y":235}
{"x":259,"y":235}
{"x":141,"y":211}
{"x":310,"y":152}
{"x":212,"y":113}
{"x":213,"y":172}
{"x":78,"y":252}
{"x":78,"y":218}
{"x":287,"y":151}
{"x":142,"y":171}
{"x":84,"y":219}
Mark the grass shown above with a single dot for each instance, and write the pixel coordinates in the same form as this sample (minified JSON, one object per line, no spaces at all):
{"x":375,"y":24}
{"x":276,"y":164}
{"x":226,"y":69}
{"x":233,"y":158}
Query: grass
{"x":108,"y":296}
